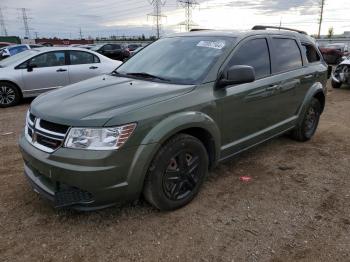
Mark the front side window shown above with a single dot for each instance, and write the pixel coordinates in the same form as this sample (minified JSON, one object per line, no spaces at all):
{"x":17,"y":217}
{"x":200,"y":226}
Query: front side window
{"x":48,"y":59}
{"x":181,"y":60}
{"x":310,"y":53}
{"x":287,"y":54}
{"x":254,"y":53}
{"x":80,"y":58}
{"x":107,"y":48}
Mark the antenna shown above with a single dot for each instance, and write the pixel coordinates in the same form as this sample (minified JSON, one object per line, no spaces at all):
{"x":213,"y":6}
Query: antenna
{"x":25,"y":22}
{"x":2,"y":24}
{"x":188,"y":5}
{"x":157,"y":14}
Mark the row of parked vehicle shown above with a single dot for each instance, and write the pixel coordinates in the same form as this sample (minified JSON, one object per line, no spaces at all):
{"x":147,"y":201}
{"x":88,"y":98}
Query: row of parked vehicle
{"x":29,"y":70}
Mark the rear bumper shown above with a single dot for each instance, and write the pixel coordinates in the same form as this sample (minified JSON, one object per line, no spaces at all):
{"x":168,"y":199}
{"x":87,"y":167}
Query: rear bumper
{"x":86,"y":180}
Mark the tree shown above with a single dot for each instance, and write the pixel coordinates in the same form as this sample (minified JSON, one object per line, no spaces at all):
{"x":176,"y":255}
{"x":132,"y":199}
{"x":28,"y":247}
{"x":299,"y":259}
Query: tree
{"x":330,"y":32}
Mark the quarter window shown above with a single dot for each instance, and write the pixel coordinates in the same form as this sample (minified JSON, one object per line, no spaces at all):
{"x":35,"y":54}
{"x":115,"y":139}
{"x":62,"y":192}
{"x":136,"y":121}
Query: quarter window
{"x":310,"y":53}
{"x":48,"y":59}
{"x":288,"y":56}
{"x":79,"y":58}
{"x":254,"y":53}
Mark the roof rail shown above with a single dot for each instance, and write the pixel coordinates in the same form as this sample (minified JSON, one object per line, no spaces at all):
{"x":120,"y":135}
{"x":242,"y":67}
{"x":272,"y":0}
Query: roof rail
{"x":198,"y":29}
{"x":264,"y":27}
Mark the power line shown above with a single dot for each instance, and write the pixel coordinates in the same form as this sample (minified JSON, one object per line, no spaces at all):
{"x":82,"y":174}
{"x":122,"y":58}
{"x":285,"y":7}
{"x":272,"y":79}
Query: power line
{"x":157,"y":14}
{"x":188,"y":5}
{"x":321,"y":18}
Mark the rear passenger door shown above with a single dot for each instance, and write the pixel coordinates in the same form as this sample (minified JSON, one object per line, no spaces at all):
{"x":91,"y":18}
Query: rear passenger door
{"x":288,"y":75}
{"x":83,"y":65}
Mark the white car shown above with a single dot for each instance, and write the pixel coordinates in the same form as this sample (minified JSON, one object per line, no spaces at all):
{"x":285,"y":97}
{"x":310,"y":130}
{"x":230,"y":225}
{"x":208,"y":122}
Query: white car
{"x":35,"y":71}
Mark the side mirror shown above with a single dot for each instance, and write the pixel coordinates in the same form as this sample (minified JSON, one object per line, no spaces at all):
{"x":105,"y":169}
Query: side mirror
{"x":237,"y":74}
{"x":30,"y":67}
{"x":4,"y":55}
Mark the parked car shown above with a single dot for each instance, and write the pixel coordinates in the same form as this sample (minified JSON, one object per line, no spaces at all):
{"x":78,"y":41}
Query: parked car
{"x":341,"y":74}
{"x":3,"y":44}
{"x":35,"y":71}
{"x":333,"y":53}
{"x":15,"y":49}
{"x":133,"y":47}
{"x":113,"y":51}
{"x":163,"y":118}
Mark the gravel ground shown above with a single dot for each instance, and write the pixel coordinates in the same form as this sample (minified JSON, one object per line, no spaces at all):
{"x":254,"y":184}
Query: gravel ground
{"x":295,"y":208}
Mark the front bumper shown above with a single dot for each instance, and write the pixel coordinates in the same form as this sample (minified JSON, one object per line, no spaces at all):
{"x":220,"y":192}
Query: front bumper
{"x":84,"y":179}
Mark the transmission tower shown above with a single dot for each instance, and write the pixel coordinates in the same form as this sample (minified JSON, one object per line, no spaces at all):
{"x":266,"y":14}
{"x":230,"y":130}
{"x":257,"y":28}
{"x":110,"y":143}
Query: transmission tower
{"x":80,"y":33}
{"x":25,"y":22}
{"x":2,"y":24}
{"x":189,"y":5}
{"x":157,"y":14}
{"x":321,"y":17}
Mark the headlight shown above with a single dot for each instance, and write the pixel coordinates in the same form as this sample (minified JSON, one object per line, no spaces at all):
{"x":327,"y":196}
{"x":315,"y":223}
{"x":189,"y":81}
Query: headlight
{"x":108,"y":138}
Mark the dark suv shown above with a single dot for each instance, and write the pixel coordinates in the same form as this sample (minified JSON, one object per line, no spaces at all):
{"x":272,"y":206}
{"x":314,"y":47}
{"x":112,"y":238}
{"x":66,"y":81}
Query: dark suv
{"x":113,"y":51}
{"x":177,"y":108}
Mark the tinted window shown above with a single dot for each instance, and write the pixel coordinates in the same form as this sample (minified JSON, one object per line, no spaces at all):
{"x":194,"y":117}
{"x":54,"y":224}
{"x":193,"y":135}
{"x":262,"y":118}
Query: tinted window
{"x":107,"y":48}
{"x":116,"y":47}
{"x":310,"y":53}
{"x":254,"y":53}
{"x":49,"y":59}
{"x":79,"y":58}
{"x":288,"y":56}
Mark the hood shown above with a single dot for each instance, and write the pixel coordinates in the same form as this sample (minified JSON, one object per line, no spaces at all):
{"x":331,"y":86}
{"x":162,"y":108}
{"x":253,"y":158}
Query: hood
{"x":94,"y":101}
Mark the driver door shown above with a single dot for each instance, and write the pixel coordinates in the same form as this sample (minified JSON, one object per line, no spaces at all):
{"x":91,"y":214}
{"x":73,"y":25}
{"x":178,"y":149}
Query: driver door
{"x":45,"y":72}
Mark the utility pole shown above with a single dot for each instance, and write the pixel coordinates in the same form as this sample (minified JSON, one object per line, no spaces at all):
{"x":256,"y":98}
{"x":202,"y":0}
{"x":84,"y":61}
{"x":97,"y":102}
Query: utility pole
{"x":36,"y":35}
{"x":2,"y":24}
{"x":80,"y":33}
{"x":25,"y":22}
{"x":321,"y":18}
{"x":188,"y":5}
{"x":157,"y":14}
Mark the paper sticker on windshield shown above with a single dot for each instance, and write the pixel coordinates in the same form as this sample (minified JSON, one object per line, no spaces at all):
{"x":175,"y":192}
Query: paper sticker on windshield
{"x":212,"y":44}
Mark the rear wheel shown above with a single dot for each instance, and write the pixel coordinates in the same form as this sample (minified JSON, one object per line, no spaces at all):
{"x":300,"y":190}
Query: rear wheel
{"x":307,"y":128}
{"x":176,"y":173}
{"x":9,"y":95}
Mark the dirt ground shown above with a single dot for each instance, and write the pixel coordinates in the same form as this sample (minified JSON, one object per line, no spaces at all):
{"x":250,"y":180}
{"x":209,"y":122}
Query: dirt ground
{"x":295,"y":208}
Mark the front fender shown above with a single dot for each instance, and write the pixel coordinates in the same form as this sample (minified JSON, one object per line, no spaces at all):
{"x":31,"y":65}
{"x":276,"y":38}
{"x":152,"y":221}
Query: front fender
{"x":161,"y":133}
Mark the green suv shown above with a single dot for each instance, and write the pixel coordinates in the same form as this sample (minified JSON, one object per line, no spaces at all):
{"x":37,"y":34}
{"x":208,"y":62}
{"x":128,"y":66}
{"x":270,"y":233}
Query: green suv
{"x":159,"y":122}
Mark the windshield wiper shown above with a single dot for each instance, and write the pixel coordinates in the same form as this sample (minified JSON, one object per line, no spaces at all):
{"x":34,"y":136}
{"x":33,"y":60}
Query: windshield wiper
{"x":147,"y":75}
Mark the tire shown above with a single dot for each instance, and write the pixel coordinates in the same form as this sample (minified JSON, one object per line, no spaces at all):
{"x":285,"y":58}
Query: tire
{"x":9,"y":95}
{"x":336,"y":84}
{"x":176,"y":173}
{"x":307,"y":128}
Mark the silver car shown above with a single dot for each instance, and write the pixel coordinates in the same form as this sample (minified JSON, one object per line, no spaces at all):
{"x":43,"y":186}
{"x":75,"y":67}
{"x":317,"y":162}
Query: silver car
{"x":35,"y":71}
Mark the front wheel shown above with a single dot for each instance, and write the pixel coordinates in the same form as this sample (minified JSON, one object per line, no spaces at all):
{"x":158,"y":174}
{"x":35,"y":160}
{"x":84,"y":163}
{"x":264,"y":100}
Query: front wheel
{"x":176,"y":173}
{"x":9,"y":95}
{"x":307,"y":128}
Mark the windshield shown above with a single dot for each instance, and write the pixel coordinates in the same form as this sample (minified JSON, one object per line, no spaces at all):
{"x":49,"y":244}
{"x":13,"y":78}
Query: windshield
{"x":95,"y":47}
{"x":12,"y":60}
{"x":182,"y":60}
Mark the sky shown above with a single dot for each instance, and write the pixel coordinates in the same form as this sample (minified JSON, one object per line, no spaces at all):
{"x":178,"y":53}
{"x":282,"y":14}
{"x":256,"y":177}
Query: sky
{"x":64,"y":18}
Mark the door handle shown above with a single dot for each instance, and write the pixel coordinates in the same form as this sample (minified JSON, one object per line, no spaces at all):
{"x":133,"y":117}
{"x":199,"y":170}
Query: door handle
{"x":61,"y":70}
{"x":308,"y":76}
{"x":271,"y":88}
{"x":93,"y":67}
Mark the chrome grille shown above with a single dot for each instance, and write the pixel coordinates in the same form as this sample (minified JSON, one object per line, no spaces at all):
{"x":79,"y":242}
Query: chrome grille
{"x":44,"y":135}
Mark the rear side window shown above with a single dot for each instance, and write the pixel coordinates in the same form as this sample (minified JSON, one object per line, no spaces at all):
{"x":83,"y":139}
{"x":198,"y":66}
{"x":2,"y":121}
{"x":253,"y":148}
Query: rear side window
{"x":254,"y":53}
{"x":80,"y":58}
{"x":310,"y":53}
{"x":288,"y":56}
